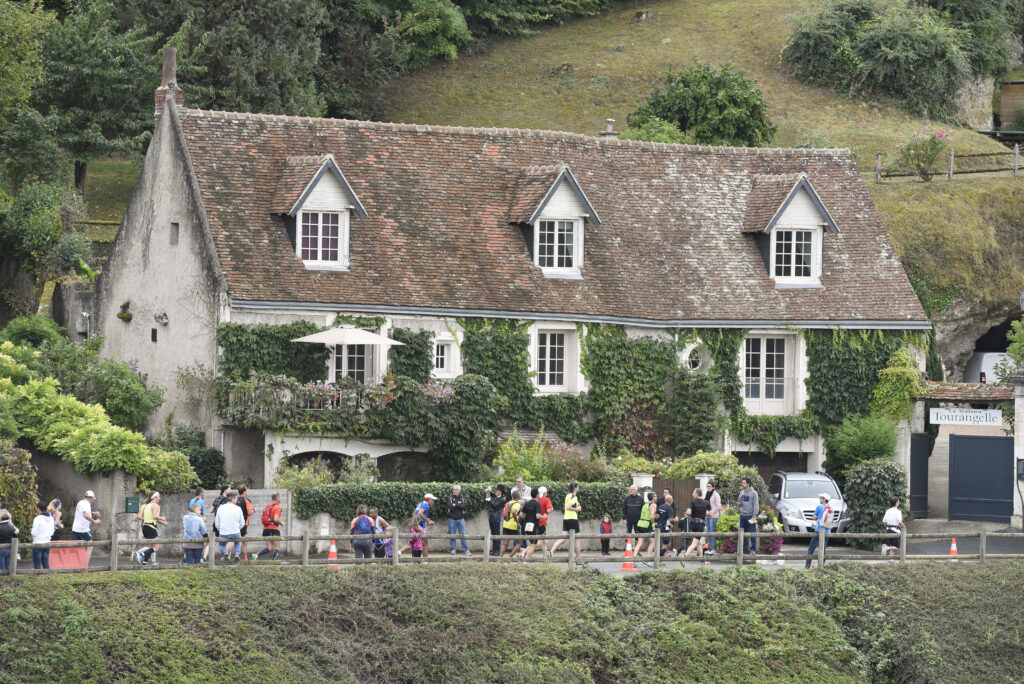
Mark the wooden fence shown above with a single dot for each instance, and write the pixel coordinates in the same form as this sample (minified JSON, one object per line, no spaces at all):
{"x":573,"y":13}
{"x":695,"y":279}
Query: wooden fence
{"x":1005,"y":161}
{"x":117,"y":563}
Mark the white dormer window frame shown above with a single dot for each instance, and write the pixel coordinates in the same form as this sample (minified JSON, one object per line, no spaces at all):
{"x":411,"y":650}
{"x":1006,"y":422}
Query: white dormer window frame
{"x":796,"y":254}
{"x":322,"y":238}
{"x":556,"y":251}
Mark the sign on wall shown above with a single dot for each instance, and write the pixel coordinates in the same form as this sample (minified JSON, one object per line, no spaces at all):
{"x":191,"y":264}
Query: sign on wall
{"x":966,"y":416}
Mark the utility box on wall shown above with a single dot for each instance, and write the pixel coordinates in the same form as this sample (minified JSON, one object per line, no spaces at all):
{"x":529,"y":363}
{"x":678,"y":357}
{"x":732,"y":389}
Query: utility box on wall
{"x":131,"y":504}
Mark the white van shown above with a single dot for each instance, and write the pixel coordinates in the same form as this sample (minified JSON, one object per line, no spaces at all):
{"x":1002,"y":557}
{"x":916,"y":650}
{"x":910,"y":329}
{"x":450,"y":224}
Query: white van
{"x":984,"y":362}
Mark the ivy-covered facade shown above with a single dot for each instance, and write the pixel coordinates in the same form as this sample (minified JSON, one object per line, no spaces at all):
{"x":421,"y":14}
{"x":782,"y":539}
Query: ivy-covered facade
{"x":661,"y":298}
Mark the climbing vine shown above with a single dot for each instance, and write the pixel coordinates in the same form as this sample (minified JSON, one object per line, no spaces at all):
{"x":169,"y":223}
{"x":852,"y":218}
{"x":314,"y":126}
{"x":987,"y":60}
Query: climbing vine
{"x":723,"y":346}
{"x":269,"y":348}
{"x":498,"y":349}
{"x":414,"y":358}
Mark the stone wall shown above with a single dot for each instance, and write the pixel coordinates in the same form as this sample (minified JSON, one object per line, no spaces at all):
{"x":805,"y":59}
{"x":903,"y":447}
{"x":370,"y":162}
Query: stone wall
{"x":58,"y":479}
{"x":974,"y":103}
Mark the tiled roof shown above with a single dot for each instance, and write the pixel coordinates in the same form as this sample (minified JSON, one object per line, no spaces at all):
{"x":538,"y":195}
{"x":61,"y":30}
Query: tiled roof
{"x":974,"y":392}
{"x":295,"y":176}
{"x":531,"y":187}
{"x":437,"y":234}
{"x":766,"y":197}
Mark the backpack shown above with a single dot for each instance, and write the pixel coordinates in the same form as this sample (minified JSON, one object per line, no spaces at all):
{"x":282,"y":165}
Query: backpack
{"x":826,"y":517}
{"x":362,"y":525}
{"x":510,"y":512}
{"x":268,"y":514}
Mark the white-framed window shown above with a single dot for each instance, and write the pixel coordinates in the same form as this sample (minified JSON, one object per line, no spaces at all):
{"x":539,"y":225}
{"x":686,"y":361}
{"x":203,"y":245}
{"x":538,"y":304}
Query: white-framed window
{"x":442,"y":357}
{"x":551,"y":360}
{"x":322,"y":238}
{"x":353,"y":361}
{"x":796,"y":254}
{"x":768,"y":373}
{"x":558,"y":245}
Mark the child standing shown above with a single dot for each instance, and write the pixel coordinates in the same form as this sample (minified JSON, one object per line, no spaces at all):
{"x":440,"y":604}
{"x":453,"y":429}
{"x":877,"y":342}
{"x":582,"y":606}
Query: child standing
{"x":606,"y":528}
{"x":416,"y":543}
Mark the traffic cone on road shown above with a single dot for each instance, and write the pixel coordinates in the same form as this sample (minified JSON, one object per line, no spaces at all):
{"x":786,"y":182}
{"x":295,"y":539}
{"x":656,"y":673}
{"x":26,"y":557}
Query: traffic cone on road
{"x":952,"y":548}
{"x":333,"y":555}
{"x":627,"y":563}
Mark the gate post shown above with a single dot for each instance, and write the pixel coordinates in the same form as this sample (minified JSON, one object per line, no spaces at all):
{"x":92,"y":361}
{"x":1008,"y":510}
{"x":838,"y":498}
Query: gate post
{"x":981,"y":545}
{"x":14,"y":556}
{"x":821,"y":546}
{"x":903,"y":544}
{"x":657,"y":548}
{"x":572,"y":549}
{"x":739,"y":546}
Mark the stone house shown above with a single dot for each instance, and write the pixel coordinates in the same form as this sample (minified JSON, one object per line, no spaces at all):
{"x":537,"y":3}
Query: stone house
{"x":252,"y":218}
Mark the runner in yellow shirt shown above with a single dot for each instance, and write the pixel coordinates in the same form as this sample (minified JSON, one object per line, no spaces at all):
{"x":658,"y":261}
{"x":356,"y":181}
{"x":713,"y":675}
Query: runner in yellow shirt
{"x":571,"y":518}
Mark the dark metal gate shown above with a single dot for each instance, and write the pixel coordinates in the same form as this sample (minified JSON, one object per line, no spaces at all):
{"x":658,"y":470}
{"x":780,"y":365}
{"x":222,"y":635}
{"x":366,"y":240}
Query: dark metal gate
{"x":981,"y":478}
{"x":919,"y":453}
{"x":682,"y":490}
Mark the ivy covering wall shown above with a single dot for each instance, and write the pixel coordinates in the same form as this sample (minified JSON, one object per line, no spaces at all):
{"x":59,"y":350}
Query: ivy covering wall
{"x":415,"y":357}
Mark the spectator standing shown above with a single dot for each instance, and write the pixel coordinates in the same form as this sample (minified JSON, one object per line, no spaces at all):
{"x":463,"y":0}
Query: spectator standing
{"x":362,"y":524}
{"x":195,"y":528}
{"x":416,"y":542}
{"x":822,"y":518}
{"x":495,"y":506}
{"x":695,"y":516}
{"x":271,"y":519}
{"x":665,"y":492}
{"x":42,"y":531}
{"x":606,"y":528}
{"x":7,"y":532}
{"x":510,"y":524}
{"x":457,"y":518}
{"x":646,"y":523}
{"x":520,"y":492}
{"x":749,"y":508}
{"x":247,"y":509}
{"x":381,"y":547}
{"x":571,"y":518}
{"x":530,"y":517}
{"x":666,"y":513}
{"x":229,"y":521}
{"x":150,"y":519}
{"x":56,"y":512}
{"x":422,"y":513}
{"x":632,"y":506}
{"x":714,"y":500}
{"x":217,"y":503}
{"x":893,"y":521}
{"x":197,"y":498}
{"x":84,"y":519}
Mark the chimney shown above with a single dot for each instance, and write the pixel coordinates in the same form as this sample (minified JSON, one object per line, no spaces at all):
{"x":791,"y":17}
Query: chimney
{"x":169,"y":84}
{"x":609,"y":132}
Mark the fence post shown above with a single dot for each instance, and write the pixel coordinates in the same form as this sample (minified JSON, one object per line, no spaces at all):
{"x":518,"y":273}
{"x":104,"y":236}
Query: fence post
{"x":739,"y":543}
{"x":487,"y":545}
{"x":113,"y":551}
{"x":305,"y":548}
{"x":211,"y":556}
{"x":1016,"y":158}
{"x":572,"y":549}
{"x":14,"y":556}
{"x":981,"y":546}
{"x":394,"y":545}
{"x":878,"y":167}
{"x":903,"y":545}
{"x":657,"y":548}
{"x":949,"y":174}
{"x":821,"y":546}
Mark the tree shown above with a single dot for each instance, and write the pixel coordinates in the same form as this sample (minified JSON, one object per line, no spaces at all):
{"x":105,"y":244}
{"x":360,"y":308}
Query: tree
{"x":657,"y":130}
{"x":97,"y":85}
{"x":29,"y":150}
{"x":22,"y":26}
{"x":716,"y":106}
{"x":857,"y":440}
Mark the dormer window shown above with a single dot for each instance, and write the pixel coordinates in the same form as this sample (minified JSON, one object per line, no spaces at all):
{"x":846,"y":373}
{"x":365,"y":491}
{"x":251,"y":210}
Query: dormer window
{"x":319,"y":205}
{"x":790,"y":221}
{"x":552,"y":210}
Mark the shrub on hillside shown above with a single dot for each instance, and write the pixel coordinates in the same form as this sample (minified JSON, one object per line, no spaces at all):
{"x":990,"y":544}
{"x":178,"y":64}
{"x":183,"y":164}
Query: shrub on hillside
{"x":32,"y":330}
{"x":656,"y":129}
{"x":717,"y":106}
{"x":820,"y":50}
{"x":858,"y":439}
{"x":18,"y":486}
{"x":120,"y":389}
{"x":869,"y":487}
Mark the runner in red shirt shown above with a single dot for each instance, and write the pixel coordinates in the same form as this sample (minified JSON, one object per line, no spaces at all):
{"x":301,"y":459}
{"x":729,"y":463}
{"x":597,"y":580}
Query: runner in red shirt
{"x":542,"y":520}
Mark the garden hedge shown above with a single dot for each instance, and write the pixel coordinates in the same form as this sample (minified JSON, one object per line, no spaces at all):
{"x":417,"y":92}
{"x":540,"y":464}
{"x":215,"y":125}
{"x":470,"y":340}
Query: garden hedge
{"x":396,"y":500}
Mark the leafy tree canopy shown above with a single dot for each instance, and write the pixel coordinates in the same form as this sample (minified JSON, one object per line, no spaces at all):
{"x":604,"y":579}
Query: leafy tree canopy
{"x":22,"y":27}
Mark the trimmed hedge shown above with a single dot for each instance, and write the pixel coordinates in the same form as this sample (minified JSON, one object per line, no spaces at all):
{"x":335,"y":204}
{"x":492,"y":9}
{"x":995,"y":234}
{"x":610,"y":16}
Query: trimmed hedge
{"x":397,"y":500}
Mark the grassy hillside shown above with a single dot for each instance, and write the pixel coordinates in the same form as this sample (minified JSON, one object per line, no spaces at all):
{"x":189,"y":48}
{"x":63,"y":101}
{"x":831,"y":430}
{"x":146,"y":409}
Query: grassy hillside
{"x":512,"y":624}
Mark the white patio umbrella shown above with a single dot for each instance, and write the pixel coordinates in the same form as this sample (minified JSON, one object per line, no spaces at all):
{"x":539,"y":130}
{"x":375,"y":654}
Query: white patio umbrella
{"x":348,"y":335}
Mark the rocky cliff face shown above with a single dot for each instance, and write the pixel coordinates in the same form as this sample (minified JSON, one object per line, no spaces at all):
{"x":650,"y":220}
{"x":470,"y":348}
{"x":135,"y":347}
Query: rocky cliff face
{"x":959,"y":327}
{"x":974,"y":103}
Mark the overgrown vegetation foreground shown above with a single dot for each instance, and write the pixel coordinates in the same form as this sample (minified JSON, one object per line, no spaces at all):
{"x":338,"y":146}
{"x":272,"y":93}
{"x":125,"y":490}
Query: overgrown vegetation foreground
{"x":466,"y":623}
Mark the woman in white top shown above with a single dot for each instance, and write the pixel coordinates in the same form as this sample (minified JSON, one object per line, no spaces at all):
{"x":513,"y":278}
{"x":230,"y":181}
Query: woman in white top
{"x":893,"y":521}
{"x":42,"y":530}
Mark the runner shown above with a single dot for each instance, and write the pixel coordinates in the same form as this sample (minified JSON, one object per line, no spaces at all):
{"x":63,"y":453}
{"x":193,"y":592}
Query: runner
{"x":84,"y":519}
{"x":247,"y":510}
{"x":150,"y":515}
{"x":271,"y":519}
{"x":893,"y":521}
{"x":530,"y":517}
{"x":570,"y":519}
{"x":545,"y":509}
{"x":382,"y":547}
{"x":695,"y":515}
{"x":421,"y":513}
{"x":510,"y":525}
{"x":646,"y":524}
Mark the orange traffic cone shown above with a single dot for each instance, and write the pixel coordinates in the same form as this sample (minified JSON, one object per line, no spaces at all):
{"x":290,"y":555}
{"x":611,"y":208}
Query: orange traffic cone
{"x":952,"y":548}
{"x":627,"y":564}
{"x":333,"y":554}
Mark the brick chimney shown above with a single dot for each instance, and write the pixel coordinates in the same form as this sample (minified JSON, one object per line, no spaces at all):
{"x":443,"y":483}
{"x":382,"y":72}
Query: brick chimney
{"x":169,"y":84}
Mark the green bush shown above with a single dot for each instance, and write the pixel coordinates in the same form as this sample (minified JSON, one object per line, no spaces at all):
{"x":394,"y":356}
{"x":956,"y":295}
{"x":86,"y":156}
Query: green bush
{"x":415,"y":357}
{"x":820,"y":50}
{"x":208,"y":464}
{"x":986,"y":28}
{"x":899,"y":386}
{"x":731,"y":484}
{"x":18,"y":485}
{"x":434,"y":30}
{"x":858,"y":439}
{"x":722,"y":466}
{"x":33,"y":330}
{"x":655,"y":129}
{"x":920,"y":153}
{"x":396,"y":500}
{"x":70,"y":250}
{"x":716,"y":106}
{"x":869,"y":487}
{"x":121,"y":391}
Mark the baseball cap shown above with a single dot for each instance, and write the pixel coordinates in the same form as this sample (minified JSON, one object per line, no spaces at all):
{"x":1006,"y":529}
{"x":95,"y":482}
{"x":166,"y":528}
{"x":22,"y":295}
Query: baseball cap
{"x":90,"y":495}
{"x":824,"y":496}
{"x":429,"y":496}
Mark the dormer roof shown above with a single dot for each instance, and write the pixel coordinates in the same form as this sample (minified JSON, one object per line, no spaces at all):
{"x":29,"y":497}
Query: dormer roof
{"x":770,"y":195}
{"x":300,"y":176}
{"x":535,"y":187}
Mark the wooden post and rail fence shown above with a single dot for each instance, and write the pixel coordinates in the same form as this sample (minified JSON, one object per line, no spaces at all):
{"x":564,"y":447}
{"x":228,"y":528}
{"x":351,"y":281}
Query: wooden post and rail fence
{"x":117,"y":563}
{"x":1012,"y":165}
